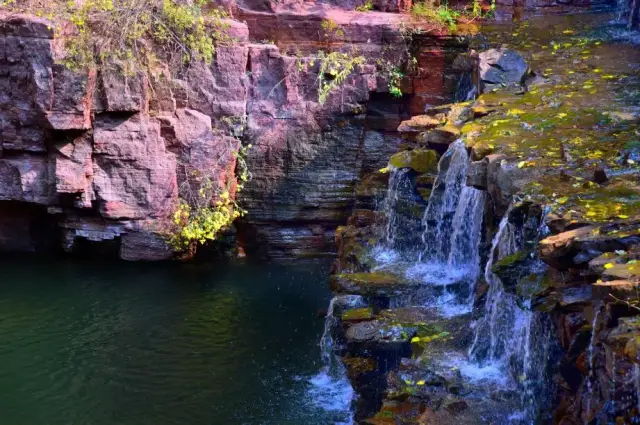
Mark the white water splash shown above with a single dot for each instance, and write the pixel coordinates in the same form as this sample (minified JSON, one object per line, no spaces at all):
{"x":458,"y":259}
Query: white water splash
{"x":443,"y":202}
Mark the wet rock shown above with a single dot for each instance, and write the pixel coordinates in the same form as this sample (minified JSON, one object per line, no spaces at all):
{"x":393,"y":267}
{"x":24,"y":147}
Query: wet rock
{"x":501,"y":68}
{"x":419,"y":160}
{"x":452,"y":113}
{"x":370,"y":189}
{"x":356,"y":315}
{"x":481,"y":111}
{"x":358,"y":366}
{"x":600,"y":176}
{"x":373,"y":284}
{"x":477,"y":174}
{"x":145,"y":245}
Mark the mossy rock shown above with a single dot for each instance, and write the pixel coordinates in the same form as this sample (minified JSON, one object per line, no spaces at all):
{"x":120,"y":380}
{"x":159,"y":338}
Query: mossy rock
{"x":368,"y":284}
{"x":358,"y":314}
{"x":419,"y":160}
{"x":357,"y":366}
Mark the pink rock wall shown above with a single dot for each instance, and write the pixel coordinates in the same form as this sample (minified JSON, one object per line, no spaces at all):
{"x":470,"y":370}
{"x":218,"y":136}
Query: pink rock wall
{"x":102,"y":154}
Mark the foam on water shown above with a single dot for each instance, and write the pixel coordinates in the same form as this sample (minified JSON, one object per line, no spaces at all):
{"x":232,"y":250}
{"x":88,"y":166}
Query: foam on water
{"x":437,"y":274}
{"x":331,"y":393}
{"x":330,"y":388}
{"x":491,"y":373}
{"x":385,"y":256}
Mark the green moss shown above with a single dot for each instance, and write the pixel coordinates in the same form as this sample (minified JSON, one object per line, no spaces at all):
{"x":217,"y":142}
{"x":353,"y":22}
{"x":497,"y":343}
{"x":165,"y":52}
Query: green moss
{"x":420,"y":160}
{"x":509,"y":260}
{"x":358,"y":314}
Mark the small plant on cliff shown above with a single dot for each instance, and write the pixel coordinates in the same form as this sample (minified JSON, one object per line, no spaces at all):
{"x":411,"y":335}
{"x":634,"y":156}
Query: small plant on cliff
{"x":205,"y":208}
{"x":365,"y":7}
{"x":131,"y":32}
{"x":335,"y":68}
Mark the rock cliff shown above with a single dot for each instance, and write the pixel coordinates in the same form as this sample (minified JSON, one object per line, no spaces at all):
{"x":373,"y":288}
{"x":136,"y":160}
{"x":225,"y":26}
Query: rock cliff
{"x":96,"y":158}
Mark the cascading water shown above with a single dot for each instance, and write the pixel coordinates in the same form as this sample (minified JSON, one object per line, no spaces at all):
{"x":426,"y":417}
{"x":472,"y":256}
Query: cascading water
{"x":509,"y":336}
{"x":443,"y":202}
{"x":399,"y":186}
{"x":330,"y":388}
{"x":452,"y":226}
{"x":590,"y":351}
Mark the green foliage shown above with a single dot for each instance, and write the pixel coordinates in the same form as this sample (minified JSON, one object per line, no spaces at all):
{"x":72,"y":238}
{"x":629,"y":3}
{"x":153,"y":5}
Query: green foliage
{"x":206,"y":209}
{"x":331,"y":29}
{"x":395,"y":76}
{"x":131,"y":33}
{"x":335,"y":67}
{"x":365,"y":7}
{"x":441,"y":14}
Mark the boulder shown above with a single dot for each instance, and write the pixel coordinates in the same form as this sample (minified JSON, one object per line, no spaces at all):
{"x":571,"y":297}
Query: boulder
{"x":477,"y":174}
{"x":501,"y":68}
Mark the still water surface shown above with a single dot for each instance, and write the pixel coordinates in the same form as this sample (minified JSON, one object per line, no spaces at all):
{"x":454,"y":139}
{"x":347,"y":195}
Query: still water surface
{"x":128,"y":344}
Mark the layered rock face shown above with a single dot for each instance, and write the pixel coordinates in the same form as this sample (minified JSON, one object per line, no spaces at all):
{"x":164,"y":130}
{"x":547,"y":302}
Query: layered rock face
{"x":100,"y":157}
{"x":88,"y":160}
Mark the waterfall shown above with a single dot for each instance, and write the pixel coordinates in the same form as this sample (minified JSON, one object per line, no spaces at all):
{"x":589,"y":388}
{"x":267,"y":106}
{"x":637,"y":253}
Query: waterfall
{"x":496,"y":317}
{"x":330,"y":388}
{"x":509,"y":335}
{"x":636,"y":383}
{"x":438,"y":218}
{"x":399,"y":185}
{"x":451,"y":236}
{"x":622,"y":10}
{"x":590,"y":351}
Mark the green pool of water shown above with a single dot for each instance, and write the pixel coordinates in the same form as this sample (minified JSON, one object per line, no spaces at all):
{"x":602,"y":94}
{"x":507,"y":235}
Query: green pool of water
{"x":126,"y":344}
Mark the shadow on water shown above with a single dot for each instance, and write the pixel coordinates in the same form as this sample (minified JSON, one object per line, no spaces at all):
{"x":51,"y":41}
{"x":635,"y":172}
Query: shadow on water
{"x":114,"y":343}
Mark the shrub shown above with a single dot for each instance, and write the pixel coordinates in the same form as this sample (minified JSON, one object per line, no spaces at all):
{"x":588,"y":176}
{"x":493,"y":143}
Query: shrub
{"x":205,"y":209}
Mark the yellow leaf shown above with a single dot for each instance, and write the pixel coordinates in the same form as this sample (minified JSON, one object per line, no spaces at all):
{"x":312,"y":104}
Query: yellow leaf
{"x":421,"y":382}
{"x":522,"y":164}
{"x":608,"y":266}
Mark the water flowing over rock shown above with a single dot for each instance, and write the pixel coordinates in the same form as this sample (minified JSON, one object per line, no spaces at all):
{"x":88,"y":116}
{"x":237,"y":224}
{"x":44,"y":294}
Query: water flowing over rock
{"x":509,"y":334}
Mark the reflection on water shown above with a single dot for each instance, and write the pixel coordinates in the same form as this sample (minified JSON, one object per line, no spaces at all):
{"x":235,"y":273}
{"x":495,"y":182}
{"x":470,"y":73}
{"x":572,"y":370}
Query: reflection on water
{"x":94,"y":344}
